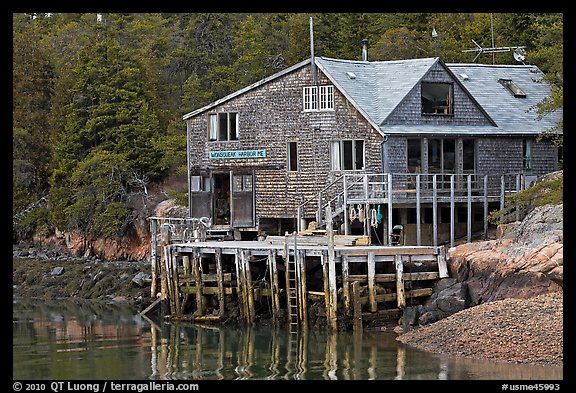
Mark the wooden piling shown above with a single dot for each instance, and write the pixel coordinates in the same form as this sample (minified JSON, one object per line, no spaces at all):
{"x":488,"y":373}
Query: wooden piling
{"x":333,"y":322}
{"x":371,"y":283}
{"x":164,"y":299}
{"x":175,"y":284}
{"x":400,"y":292}
{"x":153,"y":259}
{"x":357,"y":307}
{"x":197,"y":269}
{"x":273,"y":285}
{"x":442,"y":267}
{"x":168,"y":278}
{"x":301,"y":264}
{"x":186,"y":269}
{"x":345,"y":284}
{"x":220,"y":281}
{"x":248,"y":286}
{"x":239,"y":282}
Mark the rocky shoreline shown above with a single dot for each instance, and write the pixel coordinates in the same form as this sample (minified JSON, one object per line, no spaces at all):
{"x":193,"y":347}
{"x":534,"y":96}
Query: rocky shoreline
{"x":503,"y":300}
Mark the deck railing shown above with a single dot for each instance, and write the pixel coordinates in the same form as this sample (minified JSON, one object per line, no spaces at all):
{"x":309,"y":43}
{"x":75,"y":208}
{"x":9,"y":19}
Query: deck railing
{"x":409,"y":188}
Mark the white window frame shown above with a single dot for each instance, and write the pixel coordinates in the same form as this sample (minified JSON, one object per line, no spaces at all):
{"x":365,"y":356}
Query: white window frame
{"x":327,"y":97}
{"x":318,"y":98}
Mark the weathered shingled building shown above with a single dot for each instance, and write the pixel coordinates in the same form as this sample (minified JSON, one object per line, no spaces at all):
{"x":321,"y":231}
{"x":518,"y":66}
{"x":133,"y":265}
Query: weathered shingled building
{"x":405,"y":134}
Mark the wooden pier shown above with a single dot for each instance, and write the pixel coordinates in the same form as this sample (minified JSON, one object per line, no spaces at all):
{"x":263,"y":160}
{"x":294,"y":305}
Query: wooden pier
{"x":199,"y":280}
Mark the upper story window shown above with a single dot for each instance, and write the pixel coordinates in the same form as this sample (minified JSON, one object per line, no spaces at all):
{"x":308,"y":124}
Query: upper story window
{"x":437,"y":98}
{"x":318,"y":98}
{"x":223,"y":126}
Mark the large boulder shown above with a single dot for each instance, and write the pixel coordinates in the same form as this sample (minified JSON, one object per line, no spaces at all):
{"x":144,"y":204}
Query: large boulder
{"x":524,"y":261}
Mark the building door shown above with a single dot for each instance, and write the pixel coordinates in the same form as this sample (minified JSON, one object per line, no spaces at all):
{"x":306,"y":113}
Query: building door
{"x":243,"y":201}
{"x":221,"y":195}
{"x":200,"y":196}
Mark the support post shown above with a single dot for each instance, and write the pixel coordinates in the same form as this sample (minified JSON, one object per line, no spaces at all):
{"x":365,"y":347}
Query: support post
{"x":175,"y":284}
{"x":345,"y":198}
{"x":400,"y":293}
{"x":239,"y":283}
{"x":451,"y":210}
{"x":273,"y":285}
{"x":197,"y":269}
{"x":418,"y":218}
{"x":302,"y":288}
{"x":469,"y":211}
{"x":164,"y":300}
{"x":333,"y":323}
{"x":390,"y":197}
{"x":435,"y":209}
{"x":357,"y":324}
{"x":345,"y":284}
{"x":485,"y":207}
{"x":153,"y":258}
{"x":220,"y":281}
{"x":248,"y":282}
{"x":371,"y":282}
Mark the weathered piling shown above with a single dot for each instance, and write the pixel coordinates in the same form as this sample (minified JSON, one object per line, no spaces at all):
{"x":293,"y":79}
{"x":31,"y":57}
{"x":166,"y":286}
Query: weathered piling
{"x":220,"y":282}
{"x":273,"y":276}
{"x":197,"y":269}
{"x":331,"y":299}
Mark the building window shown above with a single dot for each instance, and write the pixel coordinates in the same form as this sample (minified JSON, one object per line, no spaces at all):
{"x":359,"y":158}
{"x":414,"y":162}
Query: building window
{"x":199,"y":183}
{"x":242,"y":183}
{"x":526,"y":154}
{"x":223,"y":126}
{"x":469,"y":155}
{"x":347,"y":155}
{"x":414,"y":156}
{"x":292,"y":156}
{"x":512,"y":88}
{"x":437,"y":98}
{"x":318,"y":98}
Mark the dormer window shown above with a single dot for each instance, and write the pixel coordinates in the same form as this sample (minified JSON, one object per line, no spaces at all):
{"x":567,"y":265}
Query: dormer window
{"x":437,"y":98}
{"x":512,"y":87}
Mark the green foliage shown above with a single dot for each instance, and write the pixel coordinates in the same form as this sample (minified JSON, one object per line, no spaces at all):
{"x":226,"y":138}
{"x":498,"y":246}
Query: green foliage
{"x":180,"y":197}
{"x":87,"y":95}
{"x":542,"y":193}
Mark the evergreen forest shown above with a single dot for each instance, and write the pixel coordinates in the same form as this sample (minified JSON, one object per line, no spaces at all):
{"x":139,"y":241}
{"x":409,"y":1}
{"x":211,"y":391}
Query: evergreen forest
{"x":98,"y":99}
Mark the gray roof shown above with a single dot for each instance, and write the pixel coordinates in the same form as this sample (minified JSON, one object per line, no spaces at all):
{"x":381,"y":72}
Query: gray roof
{"x":376,"y":88}
{"x":511,"y":114}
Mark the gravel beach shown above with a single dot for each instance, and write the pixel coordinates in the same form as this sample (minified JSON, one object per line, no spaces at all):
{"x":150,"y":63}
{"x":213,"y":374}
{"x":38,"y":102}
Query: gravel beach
{"x":512,"y":330}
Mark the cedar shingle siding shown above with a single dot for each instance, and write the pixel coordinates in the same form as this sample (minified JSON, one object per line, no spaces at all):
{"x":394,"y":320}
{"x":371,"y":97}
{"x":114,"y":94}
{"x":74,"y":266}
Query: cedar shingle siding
{"x":382,"y":113}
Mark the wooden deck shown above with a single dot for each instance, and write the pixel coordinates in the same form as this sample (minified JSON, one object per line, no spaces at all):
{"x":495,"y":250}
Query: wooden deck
{"x":360,"y":279}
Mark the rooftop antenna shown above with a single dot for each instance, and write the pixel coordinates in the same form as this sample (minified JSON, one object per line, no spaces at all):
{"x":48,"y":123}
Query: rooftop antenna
{"x":436,"y":36}
{"x":519,"y":53}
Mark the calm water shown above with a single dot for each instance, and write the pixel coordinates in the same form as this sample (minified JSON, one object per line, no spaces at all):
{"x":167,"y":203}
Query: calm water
{"x":68,"y":340}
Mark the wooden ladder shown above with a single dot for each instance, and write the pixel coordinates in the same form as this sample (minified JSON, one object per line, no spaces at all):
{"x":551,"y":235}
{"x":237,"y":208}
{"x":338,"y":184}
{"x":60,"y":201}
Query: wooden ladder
{"x":292,"y":276}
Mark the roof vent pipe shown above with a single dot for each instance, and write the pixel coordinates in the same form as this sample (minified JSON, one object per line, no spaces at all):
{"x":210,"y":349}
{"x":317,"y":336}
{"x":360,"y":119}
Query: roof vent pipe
{"x":364,"y":49}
